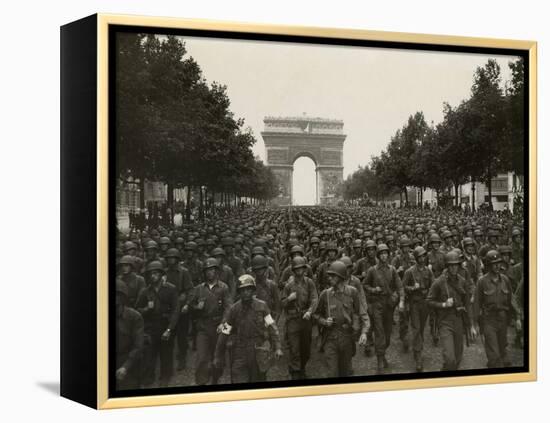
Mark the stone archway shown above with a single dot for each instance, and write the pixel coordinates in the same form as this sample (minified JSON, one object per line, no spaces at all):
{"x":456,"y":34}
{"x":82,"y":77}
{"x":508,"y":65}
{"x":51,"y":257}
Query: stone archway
{"x":322,"y":140}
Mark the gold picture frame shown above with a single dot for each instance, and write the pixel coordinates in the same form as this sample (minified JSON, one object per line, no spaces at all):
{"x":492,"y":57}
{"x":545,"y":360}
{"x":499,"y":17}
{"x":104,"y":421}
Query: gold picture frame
{"x":102,"y":22}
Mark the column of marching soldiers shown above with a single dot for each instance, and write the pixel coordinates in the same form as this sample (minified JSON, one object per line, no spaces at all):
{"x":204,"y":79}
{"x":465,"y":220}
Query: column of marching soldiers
{"x":241,"y":288}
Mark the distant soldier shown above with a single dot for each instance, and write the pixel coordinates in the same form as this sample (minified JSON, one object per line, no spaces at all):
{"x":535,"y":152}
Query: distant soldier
{"x":152,"y":254}
{"x":192,"y":263}
{"x":322,"y":275}
{"x":402,"y":262}
{"x":416,"y":282}
{"x":386,"y":290}
{"x":517,"y":247}
{"x":266,"y":289}
{"x":251,"y":334}
{"x":448,"y":240}
{"x":361,"y":270}
{"x":494,"y":307}
{"x":135,"y":283}
{"x":295,"y":251}
{"x":158,"y":303}
{"x":210,"y":301}
{"x":492,"y":240}
{"x":449,"y":297}
{"x":225,"y":273}
{"x":342,"y":317}
{"x":299,"y":300}
{"x":472,"y":261}
{"x":436,"y":263}
{"x":129,"y":341}
{"x":232,"y":261}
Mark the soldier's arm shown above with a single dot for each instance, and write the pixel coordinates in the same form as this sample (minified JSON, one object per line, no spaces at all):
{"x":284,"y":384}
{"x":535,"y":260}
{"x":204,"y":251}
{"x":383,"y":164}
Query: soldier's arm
{"x":272,"y":328}
{"x":175,"y":310}
{"x":276,"y":301}
{"x":284,"y":300}
{"x":433,"y":298}
{"x":320,"y":310}
{"x":142,"y":301}
{"x":137,"y":343}
{"x":398,"y":285}
{"x":369,"y":282}
{"x":407,"y":279}
{"x":313,"y":298}
{"x":360,"y":310}
{"x":227,"y":301}
{"x":221,"y":342}
{"x":476,"y":306}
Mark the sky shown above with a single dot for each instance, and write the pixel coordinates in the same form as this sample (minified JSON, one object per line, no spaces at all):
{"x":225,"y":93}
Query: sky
{"x":373,"y":90}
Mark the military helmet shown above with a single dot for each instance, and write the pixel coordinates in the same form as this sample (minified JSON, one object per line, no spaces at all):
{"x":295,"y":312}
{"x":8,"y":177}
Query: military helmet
{"x":245,"y":281}
{"x":298,"y":262}
{"x":218,"y":252}
{"x":127,"y":260}
{"x":467,"y":241}
{"x":154,"y":265}
{"x":210,"y":263}
{"x":150,"y":245}
{"x":164,"y":240}
{"x":297,"y":249}
{"x":404,"y":241}
{"x":347,"y":235}
{"x":258,"y":251}
{"x":419,"y":252}
{"x":516,"y":232}
{"x":459,"y":252}
{"x":492,"y":257}
{"x":381,"y":248}
{"x":121,"y":287}
{"x":314,"y":240}
{"x":357,"y":243}
{"x":331,"y":246}
{"x":172,"y":252}
{"x":347,"y":261}
{"x":259,"y":262}
{"x":504,"y":249}
{"x":492,"y":233}
{"x":370,"y":244}
{"x":129,"y":245}
{"x":435,"y":238}
{"x":452,"y":258}
{"x":228,"y":242}
{"x":338,"y":268}
{"x":190,"y":246}
{"x":446,"y":234}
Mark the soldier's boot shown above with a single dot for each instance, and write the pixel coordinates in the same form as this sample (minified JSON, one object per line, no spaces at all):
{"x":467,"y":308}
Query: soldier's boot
{"x":386,"y":363}
{"x":418,"y":361}
{"x":380,"y":364}
{"x":182,"y":362}
{"x":405,"y":342}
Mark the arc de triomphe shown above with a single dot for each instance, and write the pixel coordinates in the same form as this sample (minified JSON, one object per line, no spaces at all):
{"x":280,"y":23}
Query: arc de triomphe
{"x":322,"y":140}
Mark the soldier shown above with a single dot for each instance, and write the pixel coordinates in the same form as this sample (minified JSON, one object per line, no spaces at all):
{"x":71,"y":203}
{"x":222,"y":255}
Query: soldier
{"x":266,"y":289}
{"x":314,"y":252}
{"x":252,"y":333}
{"x":472,"y":262}
{"x":210,"y":301}
{"x":158,"y":303}
{"x":448,"y":296}
{"x":402,"y":262}
{"x":354,"y":281}
{"x":295,"y":251}
{"x":164,"y":244}
{"x":130,"y":249}
{"x":494,"y":307}
{"x":225,"y":274}
{"x":386,"y":290}
{"x":492,"y":239}
{"x":357,"y":250}
{"x":513,"y":272}
{"x":436,"y":263}
{"x":134,"y":283}
{"x":361,"y":270}
{"x":151,"y":255}
{"x":299,"y":300}
{"x":192,"y":263}
{"x":260,"y":251}
{"x":416,"y":282}
{"x":180,"y":277}
{"x":447,"y":246}
{"x":342,"y":317}
{"x":129,"y":341}
{"x":232,"y":261}
{"x":517,"y":247}
{"x":322,"y":275}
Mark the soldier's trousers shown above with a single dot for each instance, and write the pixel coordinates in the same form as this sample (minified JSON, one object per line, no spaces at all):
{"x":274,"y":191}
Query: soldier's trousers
{"x":495,"y":331}
{"x":403,"y":324}
{"x":298,"y":333}
{"x":419,"y":315}
{"x":206,"y":347}
{"x":382,"y":313}
{"x":244,"y":366}
{"x":370,"y":333}
{"x":338,"y":353}
{"x":451,"y":335}
{"x":159,"y":350}
{"x":182,"y":333}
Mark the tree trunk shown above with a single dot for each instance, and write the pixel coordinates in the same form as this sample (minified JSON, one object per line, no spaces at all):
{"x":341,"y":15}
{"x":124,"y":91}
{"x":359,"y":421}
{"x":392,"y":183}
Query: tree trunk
{"x":141,"y":193}
{"x":421,"y":198}
{"x":406,"y":197}
{"x":490,"y":187}
{"x":188,"y":205}
{"x":170,"y":195}
{"x":456,"y":194}
{"x":201,"y":205}
{"x":473,"y":195}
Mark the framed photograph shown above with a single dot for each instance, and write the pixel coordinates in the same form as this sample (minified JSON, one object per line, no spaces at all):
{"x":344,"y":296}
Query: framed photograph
{"x":255,"y":211}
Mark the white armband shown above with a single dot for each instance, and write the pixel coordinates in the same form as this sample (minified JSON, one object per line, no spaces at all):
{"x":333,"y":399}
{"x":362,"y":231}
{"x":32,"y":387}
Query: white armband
{"x":226,"y":328}
{"x":268,"y":320}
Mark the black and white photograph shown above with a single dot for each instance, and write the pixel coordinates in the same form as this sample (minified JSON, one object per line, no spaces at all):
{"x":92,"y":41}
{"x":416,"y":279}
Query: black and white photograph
{"x":294,"y":212}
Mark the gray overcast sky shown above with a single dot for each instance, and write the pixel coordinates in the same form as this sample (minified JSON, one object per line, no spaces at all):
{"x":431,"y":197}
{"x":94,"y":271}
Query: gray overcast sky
{"x":372,"y":90}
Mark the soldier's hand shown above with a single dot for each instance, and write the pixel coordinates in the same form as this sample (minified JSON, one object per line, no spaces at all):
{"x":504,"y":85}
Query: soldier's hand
{"x":416,"y":285}
{"x":363,"y":339}
{"x":185,"y":308}
{"x":518,"y":325}
{"x":400,"y":269}
{"x":292,"y":296}
{"x":450,"y":302}
{"x":278,"y":353}
{"x":329,"y":322}
{"x":307,"y":315}
{"x":377,"y":289}
{"x":166,"y":335}
{"x":121,"y":373}
{"x":217,"y":363}
{"x":219,"y":328}
{"x":430,"y":266}
{"x":473,"y":332}
{"x":401,"y":306}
